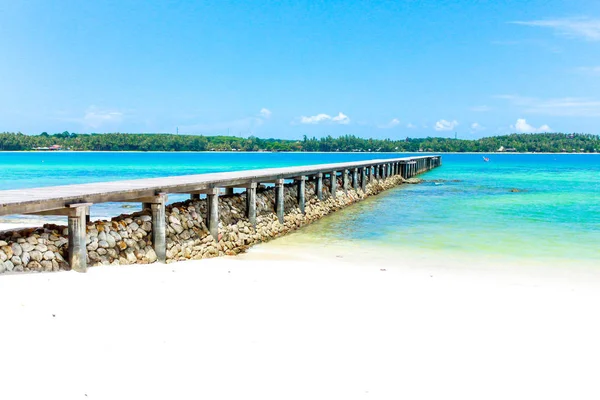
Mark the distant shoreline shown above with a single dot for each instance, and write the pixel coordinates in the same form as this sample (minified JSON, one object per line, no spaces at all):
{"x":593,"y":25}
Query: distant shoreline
{"x":293,"y":152}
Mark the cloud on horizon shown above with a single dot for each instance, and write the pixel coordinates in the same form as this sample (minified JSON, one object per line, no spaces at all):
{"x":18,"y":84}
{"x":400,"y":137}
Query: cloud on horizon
{"x":558,"y":107}
{"x":576,"y":28}
{"x":443,"y":125}
{"x":341,"y":118}
{"x":521,"y":126}
{"x":392,"y":124}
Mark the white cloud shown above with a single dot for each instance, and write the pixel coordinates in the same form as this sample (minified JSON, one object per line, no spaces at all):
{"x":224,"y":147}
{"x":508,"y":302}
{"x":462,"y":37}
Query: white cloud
{"x":265,"y":112}
{"x":341,"y":118}
{"x":410,"y":126}
{"x":522,"y":126}
{"x":393,"y":123}
{"x":481,"y":108}
{"x":95,"y":117}
{"x":476,"y":126}
{"x":580,"y":28}
{"x":595,"y":71}
{"x":315,"y":119}
{"x":443,"y":125}
{"x":563,"y":107}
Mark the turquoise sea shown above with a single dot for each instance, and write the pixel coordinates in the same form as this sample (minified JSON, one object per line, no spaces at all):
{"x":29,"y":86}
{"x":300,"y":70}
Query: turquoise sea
{"x":526,"y":206}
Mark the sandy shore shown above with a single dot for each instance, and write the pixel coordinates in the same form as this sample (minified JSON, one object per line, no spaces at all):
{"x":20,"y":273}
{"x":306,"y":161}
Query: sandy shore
{"x":278,"y":324}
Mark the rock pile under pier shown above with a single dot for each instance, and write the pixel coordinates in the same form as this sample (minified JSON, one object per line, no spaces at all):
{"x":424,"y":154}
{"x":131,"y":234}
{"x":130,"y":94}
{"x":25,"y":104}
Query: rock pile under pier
{"x":127,"y":239}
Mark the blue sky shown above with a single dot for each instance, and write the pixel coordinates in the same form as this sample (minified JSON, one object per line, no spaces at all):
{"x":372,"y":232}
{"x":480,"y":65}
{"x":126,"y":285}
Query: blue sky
{"x":289,"y":68}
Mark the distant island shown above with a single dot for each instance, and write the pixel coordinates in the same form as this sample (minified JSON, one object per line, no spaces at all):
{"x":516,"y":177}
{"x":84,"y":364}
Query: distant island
{"x":535,"y":143}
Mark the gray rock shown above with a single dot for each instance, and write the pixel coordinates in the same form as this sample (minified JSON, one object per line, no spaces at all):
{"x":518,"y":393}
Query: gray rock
{"x":111,"y":241}
{"x":49,"y":255}
{"x":16,"y":249}
{"x":3,"y":256}
{"x":102,"y":236}
{"x":26,"y":246}
{"x":150,"y":254}
{"x":102,"y":251}
{"x":16,"y":260}
{"x":32,"y":240}
{"x":36,"y":255}
{"x":34,"y":266}
{"x":41,"y":247}
{"x":47,"y":265}
{"x":9,"y":265}
{"x":25,"y":258}
{"x":103,"y":244}
{"x":145,"y":218}
{"x":2,"y":267}
{"x":92,"y":246}
{"x":3,"y":243}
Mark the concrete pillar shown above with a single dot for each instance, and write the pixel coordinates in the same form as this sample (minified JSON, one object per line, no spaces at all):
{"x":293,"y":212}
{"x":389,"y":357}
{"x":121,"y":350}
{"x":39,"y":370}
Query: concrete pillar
{"x":301,"y":181}
{"x":319,"y":186}
{"x":345,"y":180}
{"x":229,"y":191}
{"x":212,"y":212}
{"x":376,"y":172}
{"x":159,"y":227}
{"x":76,"y":231}
{"x":251,"y":203}
{"x":363,"y":179}
{"x":355,"y":178}
{"x":195,"y":196}
{"x":279,"y":204}
{"x":333,"y":183}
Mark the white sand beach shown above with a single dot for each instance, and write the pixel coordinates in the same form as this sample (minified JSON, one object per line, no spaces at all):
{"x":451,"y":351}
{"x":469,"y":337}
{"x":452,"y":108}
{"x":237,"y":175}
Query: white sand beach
{"x":281,"y":324}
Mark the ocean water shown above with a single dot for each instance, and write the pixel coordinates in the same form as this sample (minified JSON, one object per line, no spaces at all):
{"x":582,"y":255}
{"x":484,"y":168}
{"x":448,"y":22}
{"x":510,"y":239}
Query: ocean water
{"x":520,"y":206}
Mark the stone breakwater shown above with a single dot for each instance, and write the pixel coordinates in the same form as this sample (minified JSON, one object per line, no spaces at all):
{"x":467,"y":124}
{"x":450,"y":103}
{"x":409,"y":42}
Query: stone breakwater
{"x":127,"y":239}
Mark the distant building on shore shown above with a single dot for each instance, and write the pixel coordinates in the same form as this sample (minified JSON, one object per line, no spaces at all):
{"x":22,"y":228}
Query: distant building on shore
{"x":55,"y":147}
{"x":502,"y":149}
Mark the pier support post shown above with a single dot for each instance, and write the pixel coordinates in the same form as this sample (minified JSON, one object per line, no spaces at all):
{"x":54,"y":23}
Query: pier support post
{"x":279,"y":203}
{"x":229,"y":191}
{"x":355,"y":179}
{"x":212,"y":213}
{"x":76,"y":227}
{"x":159,"y":227}
{"x":333,"y":183}
{"x":251,"y":203}
{"x":319,"y":186}
{"x":195,"y":196}
{"x":301,"y":181}
{"x":376,"y":172}
{"x":345,"y":181}
{"x":363,"y":179}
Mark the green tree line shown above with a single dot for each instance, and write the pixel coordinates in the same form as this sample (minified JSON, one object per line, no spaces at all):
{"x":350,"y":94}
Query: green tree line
{"x":541,"y":142}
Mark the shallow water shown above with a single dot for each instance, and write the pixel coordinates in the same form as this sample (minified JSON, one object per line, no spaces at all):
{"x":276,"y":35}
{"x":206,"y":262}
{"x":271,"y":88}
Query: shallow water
{"x":520,"y":206}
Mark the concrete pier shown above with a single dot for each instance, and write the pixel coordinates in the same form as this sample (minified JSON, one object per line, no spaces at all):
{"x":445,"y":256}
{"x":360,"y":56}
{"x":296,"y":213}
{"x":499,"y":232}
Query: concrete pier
{"x":74,"y":201}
